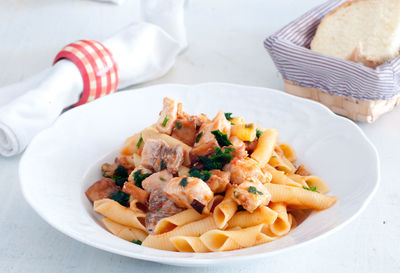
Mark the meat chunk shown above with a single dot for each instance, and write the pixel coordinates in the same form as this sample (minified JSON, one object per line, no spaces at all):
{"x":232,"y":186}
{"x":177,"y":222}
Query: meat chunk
{"x":160,"y":207}
{"x":157,"y":155}
{"x":127,"y":162}
{"x":167,"y":116}
{"x":218,"y":123}
{"x":157,"y":181}
{"x":136,"y":192}
{"x":301,"y":170}
{"x":251,"y":195}
{"x":185,"y":130}
{"x":101,"y":189}
{"x":183,"y":191}
{"x":245,"y":169}
{"x":218,"y":181}
{"x":240,"y":147}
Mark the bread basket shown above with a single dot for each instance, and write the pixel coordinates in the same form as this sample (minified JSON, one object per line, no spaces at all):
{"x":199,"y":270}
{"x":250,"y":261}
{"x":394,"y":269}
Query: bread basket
{"x":347,"y":88}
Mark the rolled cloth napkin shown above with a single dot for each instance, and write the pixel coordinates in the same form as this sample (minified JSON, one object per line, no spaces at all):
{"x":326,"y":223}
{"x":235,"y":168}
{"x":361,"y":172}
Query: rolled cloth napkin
{"x":141,"y":51}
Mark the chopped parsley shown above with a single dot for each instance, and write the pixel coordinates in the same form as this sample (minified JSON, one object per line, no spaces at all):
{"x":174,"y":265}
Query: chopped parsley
{"x":203,"y":175}
{"x":179,"y":125}
{"x":183,"y":182}
{"x":162,"y":165}
{"x":199,"y":136}
{"x":140,"y":141}
{"x":218,"y":159}
{"x":228,"y":116}
{"x":120,"y":175}
{"x":163,"y":179}
{"x":248,"y":126}
{"x":138,"y":242}
{"x":221,"y":138}
{"x":121,"y":197}
{"x":164,"y":121}
{"x":138,"y":177}
{"x":259,"y":133}
{"x":312,"y":188}
{"x":254,"y":190}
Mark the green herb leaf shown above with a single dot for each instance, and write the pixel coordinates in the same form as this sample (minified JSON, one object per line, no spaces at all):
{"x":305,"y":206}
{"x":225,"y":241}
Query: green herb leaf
{"x":120,"y":175}
{"x":138,"y":242}
{"x":183,"y":182}
{"x":203,"y":175}
{"x":254,"y":190}
{"x":138,"y":177}
{"x":164,"y":121}
{"x":218,"y":159}
{"x":228,"y":116}
{"x":221,"y":138}
{"x":240,"y":208}
{"x":140,"y":141}
{"x":259,"y":133}
{"x":162,"y":165}
{"x":199,"y":136}
{"x":179,"y":125}
{"x":312,"y":188}
{"x":121,"y":197}
{"x":163,"y":179}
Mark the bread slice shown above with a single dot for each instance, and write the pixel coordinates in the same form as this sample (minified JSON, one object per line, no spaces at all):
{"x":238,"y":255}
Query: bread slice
{"x":366,"y":31}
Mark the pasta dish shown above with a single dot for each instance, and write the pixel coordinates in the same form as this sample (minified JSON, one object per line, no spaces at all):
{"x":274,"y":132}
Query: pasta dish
{"x":191,"y":184}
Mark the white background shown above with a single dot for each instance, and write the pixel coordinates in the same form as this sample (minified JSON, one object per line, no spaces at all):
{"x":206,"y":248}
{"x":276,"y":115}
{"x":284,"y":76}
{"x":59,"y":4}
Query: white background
{"x":225,"y":44}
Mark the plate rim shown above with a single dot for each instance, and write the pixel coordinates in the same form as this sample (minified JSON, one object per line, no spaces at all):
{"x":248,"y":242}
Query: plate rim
{"x":193,"y":261}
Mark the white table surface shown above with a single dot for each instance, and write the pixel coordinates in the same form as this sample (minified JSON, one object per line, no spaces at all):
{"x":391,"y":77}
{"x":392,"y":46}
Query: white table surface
{"x":225,"y":44}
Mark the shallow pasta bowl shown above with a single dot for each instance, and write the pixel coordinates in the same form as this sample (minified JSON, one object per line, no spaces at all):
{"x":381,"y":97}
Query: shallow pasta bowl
{"x":62,"y":161}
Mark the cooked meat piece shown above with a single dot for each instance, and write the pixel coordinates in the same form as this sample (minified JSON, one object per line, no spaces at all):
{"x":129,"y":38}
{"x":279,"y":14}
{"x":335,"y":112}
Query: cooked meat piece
{"x":156,"y":181}
{"x":218,"y":123}
{"x":185,"y":130}
{"x":167,"y":116}
{"x":184,"y":190}
{"x":251,"y":195}
{"x":164,"y":209}
{"x":251,"y":146}
{"x":108,"y":169}
{"x":204,"y":149}
{"x":136,"y":192}
{"x":245,"y":169}
{"x":180,"y":113}
{"x":240,"y":147}
{"x":301,"y":170}
{"x":159,"y":207}
{"x":101,"y":189}
{"x":127,"y":162}
{"x":218,"y":181}
{"x":157,"y":155}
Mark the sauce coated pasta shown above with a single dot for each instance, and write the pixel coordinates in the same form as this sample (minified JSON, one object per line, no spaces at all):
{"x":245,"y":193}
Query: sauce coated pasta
{"x":191,"y":184}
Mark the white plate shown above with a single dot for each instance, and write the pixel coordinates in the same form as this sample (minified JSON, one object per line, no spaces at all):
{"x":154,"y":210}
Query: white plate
{"x":62,"y":161}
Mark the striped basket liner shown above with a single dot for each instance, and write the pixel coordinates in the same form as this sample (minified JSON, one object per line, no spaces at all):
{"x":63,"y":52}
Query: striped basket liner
{"x":350,"y":89}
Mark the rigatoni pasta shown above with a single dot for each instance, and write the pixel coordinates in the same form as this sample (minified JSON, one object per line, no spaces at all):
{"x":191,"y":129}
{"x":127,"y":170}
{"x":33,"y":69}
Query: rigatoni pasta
{"x":193,"y":184}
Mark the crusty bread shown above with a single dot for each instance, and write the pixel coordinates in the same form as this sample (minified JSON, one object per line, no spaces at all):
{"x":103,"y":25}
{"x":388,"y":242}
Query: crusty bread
{"x":366,"y":31}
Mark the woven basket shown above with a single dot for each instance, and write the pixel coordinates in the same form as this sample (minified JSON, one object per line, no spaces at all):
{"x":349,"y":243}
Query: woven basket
{"x":358,"y":110}
{"x":347,"y":88}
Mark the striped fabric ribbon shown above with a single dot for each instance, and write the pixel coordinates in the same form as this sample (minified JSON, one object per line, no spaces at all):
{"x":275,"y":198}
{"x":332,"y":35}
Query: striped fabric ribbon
{"x":289,"y":48}
{"x":98,"y":69}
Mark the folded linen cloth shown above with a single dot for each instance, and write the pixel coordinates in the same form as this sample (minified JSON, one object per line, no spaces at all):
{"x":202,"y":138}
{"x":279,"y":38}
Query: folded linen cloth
{"x":142,"y":51}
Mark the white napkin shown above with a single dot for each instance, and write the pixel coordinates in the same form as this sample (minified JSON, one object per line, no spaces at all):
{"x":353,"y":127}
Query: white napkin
{"x":142,"y":51}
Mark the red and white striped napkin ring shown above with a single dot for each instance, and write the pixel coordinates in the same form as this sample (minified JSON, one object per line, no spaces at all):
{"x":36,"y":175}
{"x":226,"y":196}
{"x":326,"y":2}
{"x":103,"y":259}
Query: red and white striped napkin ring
{"x":97,"y":66}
